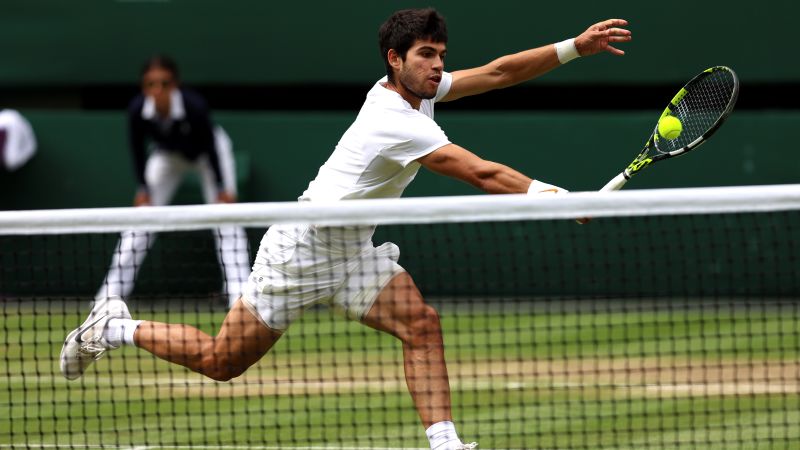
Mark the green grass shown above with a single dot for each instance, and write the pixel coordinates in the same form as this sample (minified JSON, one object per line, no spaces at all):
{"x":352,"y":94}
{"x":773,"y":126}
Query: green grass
{"x":520,"y":380}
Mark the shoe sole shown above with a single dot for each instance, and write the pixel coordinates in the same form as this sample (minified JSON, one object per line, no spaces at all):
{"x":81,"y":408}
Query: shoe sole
{"x":71,"y":339}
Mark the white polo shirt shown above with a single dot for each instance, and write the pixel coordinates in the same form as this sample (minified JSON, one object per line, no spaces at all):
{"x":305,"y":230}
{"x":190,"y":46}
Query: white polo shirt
{"x":376,"y":156}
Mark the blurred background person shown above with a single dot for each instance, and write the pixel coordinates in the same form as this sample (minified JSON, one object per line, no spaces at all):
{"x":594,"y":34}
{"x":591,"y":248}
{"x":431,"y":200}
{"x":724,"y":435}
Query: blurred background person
{"x":170,"y":135}
{"x":17,"y":140}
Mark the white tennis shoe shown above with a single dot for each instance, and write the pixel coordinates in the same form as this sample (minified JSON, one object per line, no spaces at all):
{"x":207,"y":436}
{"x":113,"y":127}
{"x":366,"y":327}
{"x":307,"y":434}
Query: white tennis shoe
{"x":86,"y":344}
{"x":469,"y":446}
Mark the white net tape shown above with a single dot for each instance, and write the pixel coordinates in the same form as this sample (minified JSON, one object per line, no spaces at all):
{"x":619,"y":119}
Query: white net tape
{"x":476,"y":208}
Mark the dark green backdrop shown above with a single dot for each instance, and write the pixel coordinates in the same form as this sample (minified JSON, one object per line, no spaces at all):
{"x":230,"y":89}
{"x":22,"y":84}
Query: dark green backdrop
{"x":58,"y":42}
{"x":281,"y":152}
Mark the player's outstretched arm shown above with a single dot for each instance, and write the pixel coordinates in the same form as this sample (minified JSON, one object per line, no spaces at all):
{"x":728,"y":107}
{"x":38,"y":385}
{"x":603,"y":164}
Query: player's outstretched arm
{"x":491,"y":177}
{"x":529,"y":64}
{"x":457,"y":162}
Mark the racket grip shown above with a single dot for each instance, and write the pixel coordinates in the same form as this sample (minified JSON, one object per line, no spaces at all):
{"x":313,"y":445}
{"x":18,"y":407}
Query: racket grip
{"x":616,"y":183}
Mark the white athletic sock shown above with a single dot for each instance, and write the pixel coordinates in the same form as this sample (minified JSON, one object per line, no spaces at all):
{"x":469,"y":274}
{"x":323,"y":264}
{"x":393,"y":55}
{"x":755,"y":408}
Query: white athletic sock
{"x":120,"y":331}
{"x":443,"y":436}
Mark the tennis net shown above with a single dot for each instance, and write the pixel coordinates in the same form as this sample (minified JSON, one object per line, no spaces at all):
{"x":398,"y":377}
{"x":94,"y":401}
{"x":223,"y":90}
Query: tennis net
{"x":671,"y":320}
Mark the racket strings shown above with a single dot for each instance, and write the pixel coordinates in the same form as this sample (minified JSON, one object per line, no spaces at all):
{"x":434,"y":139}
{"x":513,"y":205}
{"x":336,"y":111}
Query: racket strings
{"x":700,"y":109}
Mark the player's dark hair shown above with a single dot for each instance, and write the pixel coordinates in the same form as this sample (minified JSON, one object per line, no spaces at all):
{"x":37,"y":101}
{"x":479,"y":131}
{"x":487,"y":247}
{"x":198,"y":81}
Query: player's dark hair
{"x":160,"y":62}
{"x":406,"y":26}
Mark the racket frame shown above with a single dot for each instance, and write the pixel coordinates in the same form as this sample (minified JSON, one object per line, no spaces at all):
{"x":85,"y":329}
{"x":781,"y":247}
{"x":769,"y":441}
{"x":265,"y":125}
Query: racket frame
{"x":644,"y":160}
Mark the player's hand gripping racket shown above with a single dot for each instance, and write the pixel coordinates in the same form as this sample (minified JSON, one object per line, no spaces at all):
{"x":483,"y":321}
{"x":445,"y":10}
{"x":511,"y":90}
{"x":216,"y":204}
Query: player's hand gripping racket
{"x":691,"y":117}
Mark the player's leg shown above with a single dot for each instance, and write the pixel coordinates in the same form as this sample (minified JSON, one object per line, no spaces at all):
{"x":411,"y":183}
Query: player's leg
{"x":401,"y":311}
{"x":382,"y":295}
{"x":242,"y":340}
{"x":249,"y":330}
{"x":270,"y":303}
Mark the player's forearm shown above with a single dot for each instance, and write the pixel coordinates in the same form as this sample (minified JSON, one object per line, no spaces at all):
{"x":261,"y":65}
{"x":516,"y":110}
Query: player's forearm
{"x":454,"y":161}
{"x":494,"y":178}
{"x":523,"y":66}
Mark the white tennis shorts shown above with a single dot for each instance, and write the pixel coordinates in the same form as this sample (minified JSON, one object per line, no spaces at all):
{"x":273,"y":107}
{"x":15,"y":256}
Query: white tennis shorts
{"x":300,"y":266}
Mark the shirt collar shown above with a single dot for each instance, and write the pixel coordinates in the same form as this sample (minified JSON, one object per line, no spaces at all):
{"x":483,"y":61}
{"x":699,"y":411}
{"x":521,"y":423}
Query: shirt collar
{"x":177,"y":111}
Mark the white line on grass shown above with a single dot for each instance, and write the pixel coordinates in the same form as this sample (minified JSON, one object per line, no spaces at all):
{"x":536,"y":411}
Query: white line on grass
{"x":305,"y":387}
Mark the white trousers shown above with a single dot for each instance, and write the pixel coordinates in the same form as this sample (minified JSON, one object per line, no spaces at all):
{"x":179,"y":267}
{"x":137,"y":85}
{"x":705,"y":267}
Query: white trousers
{"x":164,"y":172}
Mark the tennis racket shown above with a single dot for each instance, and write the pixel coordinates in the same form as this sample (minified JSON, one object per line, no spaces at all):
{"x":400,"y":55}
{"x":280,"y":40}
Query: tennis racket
{"x":702,"y":106}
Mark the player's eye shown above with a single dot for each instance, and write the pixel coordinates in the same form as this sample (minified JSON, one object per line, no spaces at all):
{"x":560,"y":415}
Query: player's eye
{"x":427,"y":52}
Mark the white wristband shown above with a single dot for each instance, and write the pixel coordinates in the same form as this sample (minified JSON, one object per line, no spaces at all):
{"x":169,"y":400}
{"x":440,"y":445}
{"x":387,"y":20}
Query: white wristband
{"x":538,"y":187}
{"x":566,"y":51}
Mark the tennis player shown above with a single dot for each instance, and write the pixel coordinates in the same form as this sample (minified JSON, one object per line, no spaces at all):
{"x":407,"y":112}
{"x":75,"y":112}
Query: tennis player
{"x":377,"y":157}
{"x":174,"y":124}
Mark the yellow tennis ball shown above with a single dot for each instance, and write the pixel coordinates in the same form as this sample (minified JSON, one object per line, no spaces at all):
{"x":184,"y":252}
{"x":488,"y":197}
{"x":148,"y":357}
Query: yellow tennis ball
{"x":670,"y":127}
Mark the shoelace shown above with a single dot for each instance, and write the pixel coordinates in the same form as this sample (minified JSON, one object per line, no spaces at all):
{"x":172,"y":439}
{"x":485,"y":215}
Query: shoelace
{"x":93,"y":349}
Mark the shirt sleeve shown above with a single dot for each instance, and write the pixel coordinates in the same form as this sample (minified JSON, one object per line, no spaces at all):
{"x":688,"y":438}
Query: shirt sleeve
{"x":415,"y":135}
{"x":444,"y":86}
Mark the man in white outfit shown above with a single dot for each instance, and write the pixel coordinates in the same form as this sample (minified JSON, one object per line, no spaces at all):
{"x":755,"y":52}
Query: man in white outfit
{"x":377,"y":157}
{"x":174,"y":123}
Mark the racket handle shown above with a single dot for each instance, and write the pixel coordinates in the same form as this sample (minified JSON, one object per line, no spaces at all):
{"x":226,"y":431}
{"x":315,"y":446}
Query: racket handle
{"x":614,"y":185}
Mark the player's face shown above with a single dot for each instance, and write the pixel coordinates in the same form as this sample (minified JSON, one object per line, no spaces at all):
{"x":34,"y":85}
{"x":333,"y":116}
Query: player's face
{"x":421,"y":72}
{"x":159,"y":83}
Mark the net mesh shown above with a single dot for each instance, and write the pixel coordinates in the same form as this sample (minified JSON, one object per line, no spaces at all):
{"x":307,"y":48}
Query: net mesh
{"x":661,"y":329}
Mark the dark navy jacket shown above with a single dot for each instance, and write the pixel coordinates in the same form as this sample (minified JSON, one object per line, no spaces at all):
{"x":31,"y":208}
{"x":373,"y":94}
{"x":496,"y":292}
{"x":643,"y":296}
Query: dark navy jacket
{"x":190,"y":133}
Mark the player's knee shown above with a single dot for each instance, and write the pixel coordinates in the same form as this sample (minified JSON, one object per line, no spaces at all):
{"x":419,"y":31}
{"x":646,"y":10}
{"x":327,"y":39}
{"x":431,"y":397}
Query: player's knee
{"x":232,"y":369}
{"x":214,"y":374}
{"x":220,"y":366}
{"x":221,"y":369}
{"x":423,"y":326}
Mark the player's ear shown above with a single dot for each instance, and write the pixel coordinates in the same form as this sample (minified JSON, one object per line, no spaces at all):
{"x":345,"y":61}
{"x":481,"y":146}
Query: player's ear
{"x":394,"y":58}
